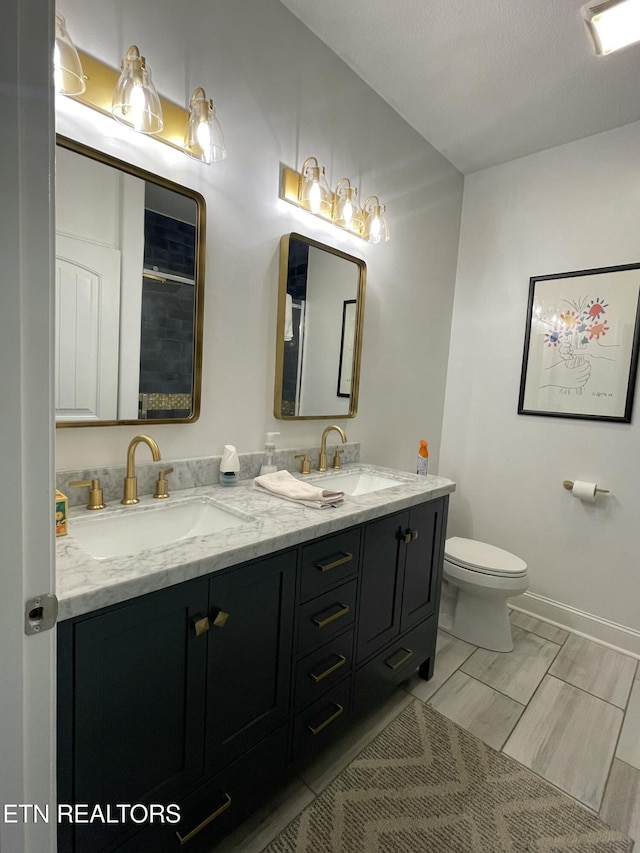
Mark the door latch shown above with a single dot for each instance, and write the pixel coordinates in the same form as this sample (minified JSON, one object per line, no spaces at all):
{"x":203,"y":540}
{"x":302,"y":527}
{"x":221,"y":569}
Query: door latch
{"x":40,"y":613}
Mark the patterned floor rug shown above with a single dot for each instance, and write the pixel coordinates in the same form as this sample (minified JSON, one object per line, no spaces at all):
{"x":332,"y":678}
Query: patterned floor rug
{"x":425,"y":785}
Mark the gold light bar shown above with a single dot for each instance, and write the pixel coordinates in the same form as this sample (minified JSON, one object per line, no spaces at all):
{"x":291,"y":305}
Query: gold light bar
{"x":101,"y":81}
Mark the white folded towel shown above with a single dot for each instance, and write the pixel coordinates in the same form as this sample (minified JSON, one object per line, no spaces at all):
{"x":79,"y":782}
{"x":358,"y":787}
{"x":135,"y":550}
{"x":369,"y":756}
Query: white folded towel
{"x":283,"y":485}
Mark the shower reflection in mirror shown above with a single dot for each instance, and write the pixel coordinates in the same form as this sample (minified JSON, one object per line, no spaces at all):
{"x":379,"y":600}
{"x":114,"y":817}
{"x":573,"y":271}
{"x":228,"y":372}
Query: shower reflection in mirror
{"x":321,"y":310}
{"x":129,"y":292}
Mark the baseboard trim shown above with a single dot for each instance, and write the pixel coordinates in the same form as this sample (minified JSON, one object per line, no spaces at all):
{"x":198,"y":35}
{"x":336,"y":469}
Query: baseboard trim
{"x":614,"y":636}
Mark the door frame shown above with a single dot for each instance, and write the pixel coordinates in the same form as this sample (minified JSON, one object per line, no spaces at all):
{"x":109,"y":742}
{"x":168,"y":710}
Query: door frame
{"x":27,"y":663}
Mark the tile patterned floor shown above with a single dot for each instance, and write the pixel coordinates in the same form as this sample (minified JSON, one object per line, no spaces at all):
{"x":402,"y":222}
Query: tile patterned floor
{"x":567,"y":708}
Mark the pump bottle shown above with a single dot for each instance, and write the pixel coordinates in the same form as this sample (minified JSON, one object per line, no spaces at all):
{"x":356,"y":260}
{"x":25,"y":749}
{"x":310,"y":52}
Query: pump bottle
{"x":269,"y":466}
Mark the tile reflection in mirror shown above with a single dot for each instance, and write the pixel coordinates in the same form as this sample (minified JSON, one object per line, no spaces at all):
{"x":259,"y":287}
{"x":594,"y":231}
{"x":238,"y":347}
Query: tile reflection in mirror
{"x":129,"y":292}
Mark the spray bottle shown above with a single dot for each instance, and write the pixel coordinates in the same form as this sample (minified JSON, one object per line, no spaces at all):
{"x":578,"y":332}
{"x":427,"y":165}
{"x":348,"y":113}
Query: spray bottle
{"x":422,"y":465}
{"x":269,"y":466}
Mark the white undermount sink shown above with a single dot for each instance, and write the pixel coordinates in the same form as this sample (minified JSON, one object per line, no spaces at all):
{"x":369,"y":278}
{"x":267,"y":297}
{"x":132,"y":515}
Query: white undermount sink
{"x":139,"y":528}
{"x":356,"y":482}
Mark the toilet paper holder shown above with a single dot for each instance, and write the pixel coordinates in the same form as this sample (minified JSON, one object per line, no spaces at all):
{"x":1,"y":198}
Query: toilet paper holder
{"x":568,"y":484}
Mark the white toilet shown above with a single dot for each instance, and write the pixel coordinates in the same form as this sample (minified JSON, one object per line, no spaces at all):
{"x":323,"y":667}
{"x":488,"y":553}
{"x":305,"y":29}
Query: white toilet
{"x":482,"y":578}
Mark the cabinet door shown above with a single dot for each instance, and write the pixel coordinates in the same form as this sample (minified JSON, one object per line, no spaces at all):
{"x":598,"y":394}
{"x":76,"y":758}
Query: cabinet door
{"x":130,"y":707}
{"x":380,"y":590}
{"x":249,"y":661}
{"x":422,"y":562}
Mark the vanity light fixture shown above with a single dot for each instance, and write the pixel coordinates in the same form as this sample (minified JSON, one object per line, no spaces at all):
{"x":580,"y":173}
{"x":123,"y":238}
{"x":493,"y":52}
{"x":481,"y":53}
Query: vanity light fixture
{"x":613,"y":24}
{"x":314,"y":193}
{"x":346,"y":210}
{"x":203,"y":139}
{"x":375,"y":228}
{"x":130,"y":97}
{"x":309,"y":190}
{"x":135,"y":100}
{"x":67,"y":68}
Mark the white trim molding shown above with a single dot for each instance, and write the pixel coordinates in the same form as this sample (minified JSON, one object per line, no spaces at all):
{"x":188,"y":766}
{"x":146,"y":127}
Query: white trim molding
{"x":610,"y":634}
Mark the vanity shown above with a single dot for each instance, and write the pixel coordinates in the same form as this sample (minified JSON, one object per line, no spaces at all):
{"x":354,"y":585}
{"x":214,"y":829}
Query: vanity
{"x":201,"y":673}
{"x":213,"y":642}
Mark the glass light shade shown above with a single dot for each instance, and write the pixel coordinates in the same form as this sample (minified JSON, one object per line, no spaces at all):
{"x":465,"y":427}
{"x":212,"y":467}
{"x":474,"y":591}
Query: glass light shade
{"x":203,"y":139}
{"x":614,"y":24}
{"x":314,"y":194}
{"x":67,"y":69}
{"x":375,"y":228}
{"x":347,"y":212}
{"x":135,"y":100}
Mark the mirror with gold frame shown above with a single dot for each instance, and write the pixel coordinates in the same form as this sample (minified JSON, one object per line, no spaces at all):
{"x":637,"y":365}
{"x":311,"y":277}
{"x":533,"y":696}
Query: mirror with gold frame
{"x":130,"y":250}
{"x":319,"y":330}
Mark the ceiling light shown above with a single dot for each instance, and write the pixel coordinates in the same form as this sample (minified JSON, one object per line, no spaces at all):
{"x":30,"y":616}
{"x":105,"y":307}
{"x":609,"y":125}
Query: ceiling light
{"x":203,"y":139}
{"x":613,"y":24}
{"x":135,"y":100}
{"x":67,"y":70}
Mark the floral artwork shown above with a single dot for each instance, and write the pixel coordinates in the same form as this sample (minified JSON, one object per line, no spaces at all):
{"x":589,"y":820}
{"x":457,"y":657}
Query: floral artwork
{"x":581,"y":348}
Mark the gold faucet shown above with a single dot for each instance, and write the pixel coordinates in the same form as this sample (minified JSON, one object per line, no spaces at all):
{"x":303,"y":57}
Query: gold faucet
{"x":131,"y":481}
{"x":322,"y":464}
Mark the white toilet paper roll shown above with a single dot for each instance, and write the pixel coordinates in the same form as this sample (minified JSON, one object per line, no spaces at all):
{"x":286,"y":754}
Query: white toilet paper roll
{"x":584,"y":491}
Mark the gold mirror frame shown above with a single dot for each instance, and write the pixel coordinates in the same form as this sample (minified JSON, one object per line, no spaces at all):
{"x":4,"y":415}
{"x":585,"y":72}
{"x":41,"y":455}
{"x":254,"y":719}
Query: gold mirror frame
{"x":200,"y":253}
{"x":280,"y":329}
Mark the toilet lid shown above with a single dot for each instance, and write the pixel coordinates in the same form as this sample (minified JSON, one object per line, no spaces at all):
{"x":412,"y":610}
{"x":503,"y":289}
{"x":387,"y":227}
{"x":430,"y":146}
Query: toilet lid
{"x":480,"y":557}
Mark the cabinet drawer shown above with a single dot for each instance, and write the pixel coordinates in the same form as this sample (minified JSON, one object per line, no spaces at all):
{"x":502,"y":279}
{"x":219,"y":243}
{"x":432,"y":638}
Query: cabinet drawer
{"x":329,"y":562}
{"x":395,"y":664}
{"x":221,"y":804}
{"x":325,"y":616}
{"x":321,"y":723}
{"x":318,"y":672}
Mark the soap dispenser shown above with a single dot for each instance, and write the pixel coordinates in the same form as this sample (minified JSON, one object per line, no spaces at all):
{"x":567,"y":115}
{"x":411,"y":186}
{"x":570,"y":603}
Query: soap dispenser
{"x":269,"y":466}
{"x":229,"y":466}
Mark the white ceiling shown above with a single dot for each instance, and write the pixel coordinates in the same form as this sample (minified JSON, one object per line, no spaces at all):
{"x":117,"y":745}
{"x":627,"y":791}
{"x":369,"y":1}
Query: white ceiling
{"x":484,"y":82}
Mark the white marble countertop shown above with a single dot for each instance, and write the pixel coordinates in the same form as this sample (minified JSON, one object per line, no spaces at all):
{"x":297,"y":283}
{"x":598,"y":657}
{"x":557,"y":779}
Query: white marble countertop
{"x":85,"y":584}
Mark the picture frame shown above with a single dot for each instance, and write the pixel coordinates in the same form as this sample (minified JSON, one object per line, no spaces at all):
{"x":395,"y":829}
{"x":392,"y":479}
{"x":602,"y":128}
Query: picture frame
{"x":347,"y":343}
{"x":581,"y":344}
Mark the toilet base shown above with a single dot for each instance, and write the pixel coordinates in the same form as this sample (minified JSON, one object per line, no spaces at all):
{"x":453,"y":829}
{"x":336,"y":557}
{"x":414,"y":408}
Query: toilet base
{"x":482,"y":621}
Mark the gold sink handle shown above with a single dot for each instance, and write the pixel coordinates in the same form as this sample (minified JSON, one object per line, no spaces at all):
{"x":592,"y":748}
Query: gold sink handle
{"x":96,"y":499}
{"x":305,"y":465}
{"x":162,"y":487}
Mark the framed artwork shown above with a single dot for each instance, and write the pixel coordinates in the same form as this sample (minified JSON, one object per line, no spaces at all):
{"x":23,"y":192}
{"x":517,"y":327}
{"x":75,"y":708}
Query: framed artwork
{"x":347,"y":343}
{"x":581,"y":344}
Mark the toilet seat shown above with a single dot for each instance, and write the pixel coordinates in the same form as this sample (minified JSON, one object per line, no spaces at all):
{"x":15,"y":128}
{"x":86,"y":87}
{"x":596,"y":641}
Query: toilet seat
{"x":483,"y":558}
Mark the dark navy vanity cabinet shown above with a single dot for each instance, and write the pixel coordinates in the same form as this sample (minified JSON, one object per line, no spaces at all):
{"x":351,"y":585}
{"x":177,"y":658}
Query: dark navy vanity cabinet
{"x":206,"y":693}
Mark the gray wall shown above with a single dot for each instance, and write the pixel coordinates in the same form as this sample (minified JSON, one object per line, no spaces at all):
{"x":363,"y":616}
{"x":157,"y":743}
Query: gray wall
{"x":574,"y":207}
{"x":281,"y":96}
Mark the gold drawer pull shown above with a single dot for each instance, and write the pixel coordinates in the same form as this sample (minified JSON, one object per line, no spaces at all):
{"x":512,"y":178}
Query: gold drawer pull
{"x":341,"y":662}
{"x":334,"y":563}
{"x":201,"y":626}
{"x":183,"y":839}
{"x":328,"y":721}
{"x":402,"y":660}
{"x":321,"y":621}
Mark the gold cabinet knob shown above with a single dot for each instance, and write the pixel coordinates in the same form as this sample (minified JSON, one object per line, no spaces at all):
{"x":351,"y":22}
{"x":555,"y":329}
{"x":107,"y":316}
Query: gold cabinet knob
{"x":201,"y":626}
{"x":221,"y":619}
